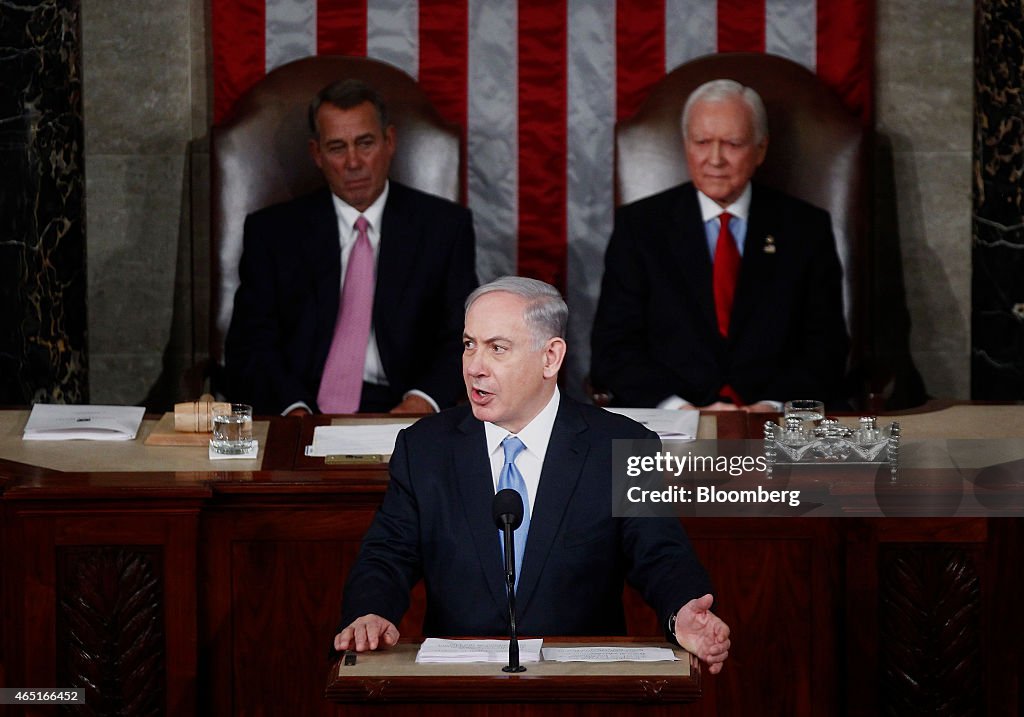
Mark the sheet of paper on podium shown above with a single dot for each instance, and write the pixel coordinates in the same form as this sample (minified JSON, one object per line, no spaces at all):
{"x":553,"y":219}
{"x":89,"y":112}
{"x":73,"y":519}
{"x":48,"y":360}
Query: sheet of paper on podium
{"x":53,"y":422}
{"x":669,"y":425}
{"x":436,"y":649}
{"x":608,"y":654}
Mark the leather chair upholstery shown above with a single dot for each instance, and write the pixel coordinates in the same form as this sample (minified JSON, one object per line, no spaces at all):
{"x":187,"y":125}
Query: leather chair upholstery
{"x":260,"y":157}
{"x":817,"y":151}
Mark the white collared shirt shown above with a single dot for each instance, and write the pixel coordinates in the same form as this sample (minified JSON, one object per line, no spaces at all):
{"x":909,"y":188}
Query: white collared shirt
{"x":535,"y":436}
{"x":711,"y":211}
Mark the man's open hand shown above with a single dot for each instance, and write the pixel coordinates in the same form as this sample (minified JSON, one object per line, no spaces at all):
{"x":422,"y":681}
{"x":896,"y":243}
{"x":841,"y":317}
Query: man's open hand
{"x":703,"y":633}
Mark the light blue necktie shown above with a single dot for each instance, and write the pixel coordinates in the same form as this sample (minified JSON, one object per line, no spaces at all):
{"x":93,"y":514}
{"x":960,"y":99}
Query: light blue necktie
{"x":511,"y":478}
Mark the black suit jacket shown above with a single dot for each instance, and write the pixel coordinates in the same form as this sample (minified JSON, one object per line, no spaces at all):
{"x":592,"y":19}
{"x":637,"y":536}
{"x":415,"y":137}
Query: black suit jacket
{"x":287,"y":302}
{"x":436,"y":524}
{"x":655,"y":333}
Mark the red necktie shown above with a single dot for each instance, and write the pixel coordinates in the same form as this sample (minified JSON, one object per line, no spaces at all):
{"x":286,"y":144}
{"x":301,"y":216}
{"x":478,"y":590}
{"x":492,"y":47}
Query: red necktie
{"x":726,"y":270}
{"x":341,"y":385}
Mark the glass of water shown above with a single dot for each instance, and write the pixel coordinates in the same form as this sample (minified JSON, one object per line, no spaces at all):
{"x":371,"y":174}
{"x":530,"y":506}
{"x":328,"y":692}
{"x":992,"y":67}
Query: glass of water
{"x":232,"y":431}
{"x":808,"y":411}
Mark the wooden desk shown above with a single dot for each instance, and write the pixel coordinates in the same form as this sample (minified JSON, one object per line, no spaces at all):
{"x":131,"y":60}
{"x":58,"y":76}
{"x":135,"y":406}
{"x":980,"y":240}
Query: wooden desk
{"x":382,"y":682}
{"x":215,"y":589}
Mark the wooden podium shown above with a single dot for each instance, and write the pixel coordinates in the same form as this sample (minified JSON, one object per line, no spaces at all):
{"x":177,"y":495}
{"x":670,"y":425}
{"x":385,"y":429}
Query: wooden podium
{"x":391,"y":682}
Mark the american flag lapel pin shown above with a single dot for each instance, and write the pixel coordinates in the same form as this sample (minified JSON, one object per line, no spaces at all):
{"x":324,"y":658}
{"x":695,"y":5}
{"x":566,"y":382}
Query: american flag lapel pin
{"x":769,"y":244}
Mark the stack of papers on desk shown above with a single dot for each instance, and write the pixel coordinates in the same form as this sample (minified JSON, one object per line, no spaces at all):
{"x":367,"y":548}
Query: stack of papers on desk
{"x":435,"y":649}
{"x":669,"y":425}
{"x":50,"y":422}
{"x":376,"y":439}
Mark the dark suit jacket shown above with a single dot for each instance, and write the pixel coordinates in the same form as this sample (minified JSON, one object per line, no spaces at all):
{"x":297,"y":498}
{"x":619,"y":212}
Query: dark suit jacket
{"x":287,"y":303}
{"x":655,"y":332}
{"x":435,"y":523}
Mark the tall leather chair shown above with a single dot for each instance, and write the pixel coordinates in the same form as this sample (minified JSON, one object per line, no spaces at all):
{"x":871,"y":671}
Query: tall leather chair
{"x":817,"y":151}
{"x":260,"y":157}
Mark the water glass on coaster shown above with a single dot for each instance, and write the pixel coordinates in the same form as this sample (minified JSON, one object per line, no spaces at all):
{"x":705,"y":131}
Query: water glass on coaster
{"x":232,"y":430}
{"x":808,"y":411}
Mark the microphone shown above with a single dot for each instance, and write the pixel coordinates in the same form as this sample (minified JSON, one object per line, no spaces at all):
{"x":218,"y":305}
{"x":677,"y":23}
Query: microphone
{"x":507,"y":509}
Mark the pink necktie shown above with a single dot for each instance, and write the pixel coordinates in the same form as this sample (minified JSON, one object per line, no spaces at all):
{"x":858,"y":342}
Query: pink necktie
{"x":342,"y":382}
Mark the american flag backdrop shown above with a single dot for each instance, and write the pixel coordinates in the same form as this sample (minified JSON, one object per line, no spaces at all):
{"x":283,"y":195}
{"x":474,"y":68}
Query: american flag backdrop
{"x":537,"y":86}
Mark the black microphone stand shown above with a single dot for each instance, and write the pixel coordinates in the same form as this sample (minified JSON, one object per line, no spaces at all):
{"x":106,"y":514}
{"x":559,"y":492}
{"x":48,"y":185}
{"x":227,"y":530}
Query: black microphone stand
{"x":510,"y":581}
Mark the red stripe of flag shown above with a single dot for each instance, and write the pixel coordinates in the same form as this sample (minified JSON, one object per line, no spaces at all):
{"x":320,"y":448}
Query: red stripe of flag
{"x":341,"y":27}
{"x":239,"y":51}
{"x":846,"y":29}
{"x":639,"y":52}
{"x":444,"y":63}
{"x":741,"y":25}
{"x":542,"y":140}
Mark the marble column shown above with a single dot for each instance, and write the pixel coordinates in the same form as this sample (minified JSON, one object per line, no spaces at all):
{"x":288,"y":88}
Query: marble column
{"x":42,"y":244}
{"x":997,"y":284}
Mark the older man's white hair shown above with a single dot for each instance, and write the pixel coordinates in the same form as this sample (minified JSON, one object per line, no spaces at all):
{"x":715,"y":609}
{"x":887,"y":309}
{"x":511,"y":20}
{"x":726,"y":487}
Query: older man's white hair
{"x":721,"y":90}
{"x":546,"y":313}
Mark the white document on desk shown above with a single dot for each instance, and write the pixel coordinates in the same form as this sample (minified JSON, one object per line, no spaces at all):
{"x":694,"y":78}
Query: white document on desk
{"x":359,"y":440}
{"x":609,"y":654}
{"x":439,"y":650}
{"x":669,"y":425}
{"x":54,"y":422}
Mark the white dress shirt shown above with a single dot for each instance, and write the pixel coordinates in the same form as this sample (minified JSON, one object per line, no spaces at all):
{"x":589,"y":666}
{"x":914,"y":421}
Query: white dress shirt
{"x":711,"y":213}
{"x":535,"y":437}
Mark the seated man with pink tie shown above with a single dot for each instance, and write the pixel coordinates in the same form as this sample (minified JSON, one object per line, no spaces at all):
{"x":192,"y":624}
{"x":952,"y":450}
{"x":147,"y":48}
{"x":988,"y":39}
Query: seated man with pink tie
{"x":350,"y":298}
{"x":720,"y":293}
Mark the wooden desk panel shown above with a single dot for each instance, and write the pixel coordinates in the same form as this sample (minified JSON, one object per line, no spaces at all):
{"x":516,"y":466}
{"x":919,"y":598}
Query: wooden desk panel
{"x":103,"y":595}
{"x":274,"y":579}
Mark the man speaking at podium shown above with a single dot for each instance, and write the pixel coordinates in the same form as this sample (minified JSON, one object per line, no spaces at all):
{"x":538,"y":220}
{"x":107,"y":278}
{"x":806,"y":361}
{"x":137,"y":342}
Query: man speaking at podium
{"x":436,"y":523}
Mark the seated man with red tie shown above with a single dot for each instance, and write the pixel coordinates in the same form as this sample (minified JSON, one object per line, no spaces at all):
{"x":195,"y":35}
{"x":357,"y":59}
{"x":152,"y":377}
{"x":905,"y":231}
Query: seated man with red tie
{"x":720,"y":293}
{"x":387,"y":337}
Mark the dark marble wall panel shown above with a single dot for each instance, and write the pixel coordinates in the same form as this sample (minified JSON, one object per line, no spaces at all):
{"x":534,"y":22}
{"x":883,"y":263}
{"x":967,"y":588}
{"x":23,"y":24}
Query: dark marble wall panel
{"x":42,"y":246}
{"x":997,"y":285}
